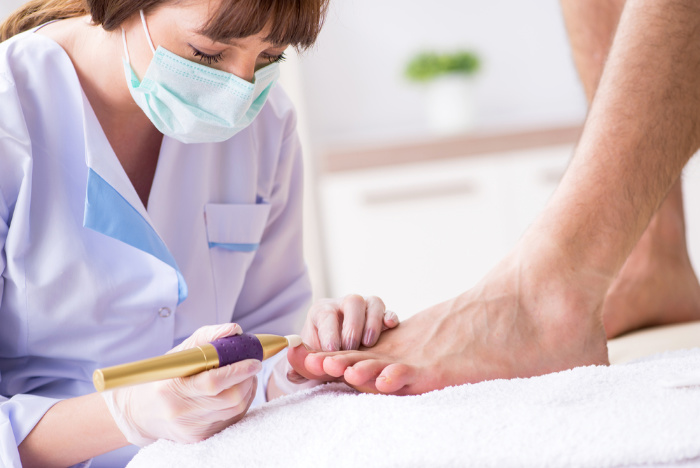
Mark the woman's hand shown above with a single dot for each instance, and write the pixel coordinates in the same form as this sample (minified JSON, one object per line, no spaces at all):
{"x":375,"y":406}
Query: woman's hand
{"x":188,"y":409}
{"x":347,"y":323}
{"x":334,"y":325}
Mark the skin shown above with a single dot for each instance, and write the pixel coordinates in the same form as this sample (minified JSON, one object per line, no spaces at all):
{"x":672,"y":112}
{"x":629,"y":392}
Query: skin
{"x":657,"y":284}
{"x":541,"y":308}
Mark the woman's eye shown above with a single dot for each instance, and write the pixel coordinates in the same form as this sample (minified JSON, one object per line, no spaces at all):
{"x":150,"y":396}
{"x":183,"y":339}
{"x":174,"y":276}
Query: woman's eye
{"x":275,"y":58}
{"x":206,"y":58}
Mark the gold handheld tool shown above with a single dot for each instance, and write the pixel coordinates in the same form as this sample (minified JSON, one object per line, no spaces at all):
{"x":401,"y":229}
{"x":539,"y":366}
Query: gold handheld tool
{"x":221,"y":352}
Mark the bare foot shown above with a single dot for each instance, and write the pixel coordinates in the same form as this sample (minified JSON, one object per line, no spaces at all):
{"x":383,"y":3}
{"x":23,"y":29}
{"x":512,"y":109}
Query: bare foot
{"x":657,"y":284}
{"x":515,"y":323}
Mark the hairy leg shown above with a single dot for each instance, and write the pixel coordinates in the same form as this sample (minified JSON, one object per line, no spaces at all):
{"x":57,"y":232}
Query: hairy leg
{"x":657,"y":284}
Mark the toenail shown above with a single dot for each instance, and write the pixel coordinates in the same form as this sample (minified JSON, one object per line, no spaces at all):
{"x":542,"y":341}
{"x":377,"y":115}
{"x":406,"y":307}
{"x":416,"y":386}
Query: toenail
{"x":384,"y":378}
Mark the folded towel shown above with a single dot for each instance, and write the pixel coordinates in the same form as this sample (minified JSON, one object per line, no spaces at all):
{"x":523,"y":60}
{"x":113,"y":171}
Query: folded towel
{"x":593,"y":416}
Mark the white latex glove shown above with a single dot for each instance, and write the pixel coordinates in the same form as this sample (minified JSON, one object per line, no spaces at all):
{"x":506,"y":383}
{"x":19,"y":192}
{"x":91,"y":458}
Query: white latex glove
{"x":188,"y":409}
{"x":287,"y":379}
{"x":347,"y":323}
{"x":335,"y":325}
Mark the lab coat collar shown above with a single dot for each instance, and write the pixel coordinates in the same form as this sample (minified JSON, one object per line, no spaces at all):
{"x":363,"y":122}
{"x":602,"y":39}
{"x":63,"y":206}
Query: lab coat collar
{"x":112,"y":206}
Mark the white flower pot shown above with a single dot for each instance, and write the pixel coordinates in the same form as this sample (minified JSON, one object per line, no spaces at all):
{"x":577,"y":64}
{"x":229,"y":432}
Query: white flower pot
{"x":450,"y":104}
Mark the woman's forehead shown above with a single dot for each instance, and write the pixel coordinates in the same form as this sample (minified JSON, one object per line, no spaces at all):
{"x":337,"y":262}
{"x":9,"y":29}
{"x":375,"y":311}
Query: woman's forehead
{"x":276,"y":22}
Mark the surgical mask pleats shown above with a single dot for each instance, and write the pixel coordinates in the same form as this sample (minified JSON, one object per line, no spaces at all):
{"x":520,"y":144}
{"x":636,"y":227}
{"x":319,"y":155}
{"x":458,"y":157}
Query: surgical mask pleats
{"x":193,"y":103}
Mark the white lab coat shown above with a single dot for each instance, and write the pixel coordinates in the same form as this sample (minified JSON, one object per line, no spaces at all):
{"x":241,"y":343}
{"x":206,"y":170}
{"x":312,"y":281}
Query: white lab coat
{"x":91,"y":277}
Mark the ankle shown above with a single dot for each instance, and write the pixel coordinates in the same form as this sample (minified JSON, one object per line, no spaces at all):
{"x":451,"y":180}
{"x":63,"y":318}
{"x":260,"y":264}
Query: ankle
{"x":554,"y":296}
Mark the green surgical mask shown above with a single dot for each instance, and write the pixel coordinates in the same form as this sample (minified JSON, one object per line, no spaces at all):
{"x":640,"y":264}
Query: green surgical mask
{"x":193,"y":103}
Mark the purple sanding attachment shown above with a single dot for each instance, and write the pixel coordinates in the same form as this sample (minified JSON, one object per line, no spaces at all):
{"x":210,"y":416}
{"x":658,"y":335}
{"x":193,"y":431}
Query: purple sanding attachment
{"x":238,"y":348}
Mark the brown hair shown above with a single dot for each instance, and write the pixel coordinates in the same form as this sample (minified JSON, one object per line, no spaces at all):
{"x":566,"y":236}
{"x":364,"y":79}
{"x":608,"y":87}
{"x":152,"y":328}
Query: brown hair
{"x":294,"y":22}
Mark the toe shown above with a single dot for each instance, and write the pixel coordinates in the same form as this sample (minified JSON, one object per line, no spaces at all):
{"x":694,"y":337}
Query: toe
{"x":394,"y":378}
{"x":297,"y":358}
{"x":335,"y":364}
{"x":363,"y":372}
{"x":314,"y":364}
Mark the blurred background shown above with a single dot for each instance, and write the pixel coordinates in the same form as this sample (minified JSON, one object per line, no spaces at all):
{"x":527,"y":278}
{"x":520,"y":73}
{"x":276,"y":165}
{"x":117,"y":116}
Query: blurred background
{"x":419,"y":179}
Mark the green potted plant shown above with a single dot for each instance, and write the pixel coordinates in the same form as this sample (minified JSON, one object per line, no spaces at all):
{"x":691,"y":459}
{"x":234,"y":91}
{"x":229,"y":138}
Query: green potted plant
{"x":448,"y":79}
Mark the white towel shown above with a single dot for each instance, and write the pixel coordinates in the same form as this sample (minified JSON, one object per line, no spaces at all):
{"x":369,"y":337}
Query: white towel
{"x":586,"y":417}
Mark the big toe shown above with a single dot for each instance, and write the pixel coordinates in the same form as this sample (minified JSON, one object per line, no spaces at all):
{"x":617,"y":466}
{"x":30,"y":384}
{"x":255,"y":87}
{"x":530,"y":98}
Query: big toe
{"x":297,"y":358}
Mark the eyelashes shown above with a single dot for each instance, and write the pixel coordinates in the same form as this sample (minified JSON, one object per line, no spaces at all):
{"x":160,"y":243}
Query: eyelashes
{"x":276,"y":58}
{"x":206,"y":58}
{"x":210,"y":59}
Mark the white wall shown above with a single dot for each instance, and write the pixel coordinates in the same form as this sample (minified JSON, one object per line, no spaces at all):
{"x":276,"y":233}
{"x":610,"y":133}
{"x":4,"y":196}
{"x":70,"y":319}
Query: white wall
{"x":8,"y":6}
{"x":355,"y":89}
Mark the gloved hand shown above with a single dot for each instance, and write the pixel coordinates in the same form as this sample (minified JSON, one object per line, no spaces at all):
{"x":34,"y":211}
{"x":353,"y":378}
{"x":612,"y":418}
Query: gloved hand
{"x":334,"y":325}
{"x":188,"y":409}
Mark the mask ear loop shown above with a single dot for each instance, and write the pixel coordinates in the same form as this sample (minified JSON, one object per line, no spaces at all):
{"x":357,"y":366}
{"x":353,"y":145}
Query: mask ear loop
{"x":148,"y":34}
{"x":126,"y":50}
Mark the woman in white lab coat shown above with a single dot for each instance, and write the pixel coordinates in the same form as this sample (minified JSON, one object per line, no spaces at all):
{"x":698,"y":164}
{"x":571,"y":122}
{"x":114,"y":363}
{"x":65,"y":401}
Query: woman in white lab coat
{"x":150,"y":184}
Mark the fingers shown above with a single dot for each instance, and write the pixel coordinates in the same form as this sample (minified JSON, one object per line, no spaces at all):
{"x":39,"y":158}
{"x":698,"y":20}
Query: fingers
{"x":326,"y":319}
{"x":220,"y":412}
{"x":214,"y":381}
{"x":334,"y":325}
{"x":391,"y":320}
{"x":237,"y":400}
{"x":354,"y":310}
{"x":374,"y":321}
{"x":208,"y":334}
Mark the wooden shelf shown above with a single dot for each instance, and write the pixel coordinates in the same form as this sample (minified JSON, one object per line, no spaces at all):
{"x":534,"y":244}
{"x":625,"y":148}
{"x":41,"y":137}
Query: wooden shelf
{"x":348,"y":159}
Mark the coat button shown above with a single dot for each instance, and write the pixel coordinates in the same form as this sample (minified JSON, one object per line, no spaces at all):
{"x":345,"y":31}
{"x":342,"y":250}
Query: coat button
{"x":164,"y":312}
